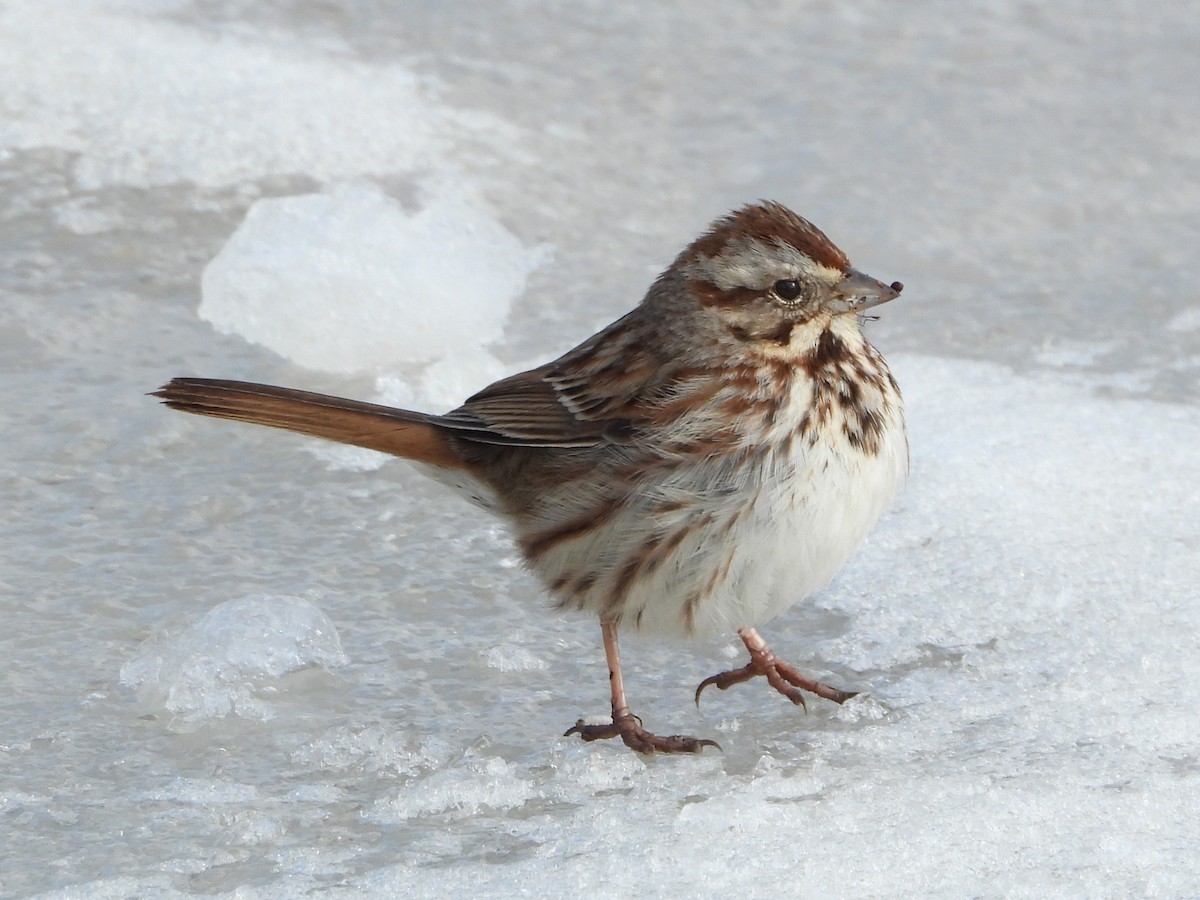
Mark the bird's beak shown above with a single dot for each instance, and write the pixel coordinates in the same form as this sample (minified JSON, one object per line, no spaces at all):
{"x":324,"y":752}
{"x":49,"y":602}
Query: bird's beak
{"x":858,"y":291}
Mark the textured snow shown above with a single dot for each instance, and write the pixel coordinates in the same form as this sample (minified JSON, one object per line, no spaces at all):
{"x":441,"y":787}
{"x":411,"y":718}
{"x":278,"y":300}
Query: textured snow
{"x":237,"y":663}
{"x":146,"y":101}
{"x":224,"y":661}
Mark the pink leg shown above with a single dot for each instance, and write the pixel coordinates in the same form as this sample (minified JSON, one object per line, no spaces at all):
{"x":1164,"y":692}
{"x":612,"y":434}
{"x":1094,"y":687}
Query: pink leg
{"x":781,"y":676}
{"x":625,"y":724}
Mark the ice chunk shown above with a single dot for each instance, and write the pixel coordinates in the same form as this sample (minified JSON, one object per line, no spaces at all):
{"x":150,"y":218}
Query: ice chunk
{"x":220,"y":664}
{"x":459,"y":791}
{"x":205,"y":792}
{"x":581,"y":776}
{"x":513,"y":658}
{"x":348,"y":281}
{"x":373,"y":747}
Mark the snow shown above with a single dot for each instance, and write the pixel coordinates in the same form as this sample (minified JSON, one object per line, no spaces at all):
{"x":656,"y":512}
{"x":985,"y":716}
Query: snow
{"x":237,"y":663}
{"x":145,"y":101}
{"x":221,"y":663}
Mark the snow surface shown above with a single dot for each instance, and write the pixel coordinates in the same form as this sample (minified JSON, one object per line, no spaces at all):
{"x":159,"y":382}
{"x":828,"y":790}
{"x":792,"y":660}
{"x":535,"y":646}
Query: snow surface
{"x":237,"y":663}
{"x":238,"y":649}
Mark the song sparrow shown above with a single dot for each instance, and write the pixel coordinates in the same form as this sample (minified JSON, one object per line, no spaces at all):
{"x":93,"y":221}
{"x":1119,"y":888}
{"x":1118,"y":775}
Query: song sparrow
{"x":697,"y":467}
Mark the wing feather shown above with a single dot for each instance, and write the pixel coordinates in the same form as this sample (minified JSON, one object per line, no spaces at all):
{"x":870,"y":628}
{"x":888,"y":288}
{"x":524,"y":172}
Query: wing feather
{"x":571,"y":402}
{"x":522,"y":410}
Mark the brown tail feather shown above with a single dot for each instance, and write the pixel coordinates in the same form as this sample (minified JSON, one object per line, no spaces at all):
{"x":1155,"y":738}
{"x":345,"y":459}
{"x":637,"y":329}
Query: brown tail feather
{"x":400,"y":432}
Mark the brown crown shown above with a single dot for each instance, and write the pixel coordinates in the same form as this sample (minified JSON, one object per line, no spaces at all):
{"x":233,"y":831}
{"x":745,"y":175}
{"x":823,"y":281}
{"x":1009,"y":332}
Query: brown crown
{"x":770,"y":222}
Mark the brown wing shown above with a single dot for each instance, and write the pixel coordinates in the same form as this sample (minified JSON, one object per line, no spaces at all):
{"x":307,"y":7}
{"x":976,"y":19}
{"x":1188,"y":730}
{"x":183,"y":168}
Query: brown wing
{"x":572,"y":402}
{"x":522,"y":410}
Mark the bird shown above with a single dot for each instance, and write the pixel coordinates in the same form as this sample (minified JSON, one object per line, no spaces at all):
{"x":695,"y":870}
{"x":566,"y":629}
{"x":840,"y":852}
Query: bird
{"x":696,"y":468}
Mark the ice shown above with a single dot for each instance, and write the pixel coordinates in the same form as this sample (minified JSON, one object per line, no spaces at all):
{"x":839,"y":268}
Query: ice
{"x":508,"y":658}
{"x":1074,"y":353}
{"x":156,"y":103}
{"x":348,"y":282}
{"x":231,"y":657}
{"x":81,"y":216}
{"x":197,"y":792}
{"x":1185,"y":320}
{"x":372,"y":748}
{"x":461,"y":790}
{"x":228,"y":668}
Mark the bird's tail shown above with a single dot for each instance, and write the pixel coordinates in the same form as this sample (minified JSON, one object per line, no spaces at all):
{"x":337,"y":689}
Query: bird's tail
{"x":411,"y":435}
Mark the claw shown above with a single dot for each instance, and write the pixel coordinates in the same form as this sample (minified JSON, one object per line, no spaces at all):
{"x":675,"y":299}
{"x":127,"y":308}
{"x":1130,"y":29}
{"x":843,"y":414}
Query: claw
{"x":725,"y":680}
{"x":783,"y":677}
{"x":629,"y":729}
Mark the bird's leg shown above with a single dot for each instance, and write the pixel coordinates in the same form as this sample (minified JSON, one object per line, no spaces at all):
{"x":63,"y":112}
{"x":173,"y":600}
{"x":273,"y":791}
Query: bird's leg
{"x":625,"y":724}
{"x":784,"y":678}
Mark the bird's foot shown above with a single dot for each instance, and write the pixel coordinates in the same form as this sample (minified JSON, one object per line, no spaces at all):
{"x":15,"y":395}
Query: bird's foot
{"x":629,"y":729}
{"x":785,"y":678}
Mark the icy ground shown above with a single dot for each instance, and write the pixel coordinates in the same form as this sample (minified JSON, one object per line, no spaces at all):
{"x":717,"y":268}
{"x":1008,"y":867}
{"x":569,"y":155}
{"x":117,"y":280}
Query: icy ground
{"x":233,"y":662}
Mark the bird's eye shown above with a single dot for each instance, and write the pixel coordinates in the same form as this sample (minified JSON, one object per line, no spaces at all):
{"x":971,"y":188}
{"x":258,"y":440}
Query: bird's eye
{"x":787,"y":289}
